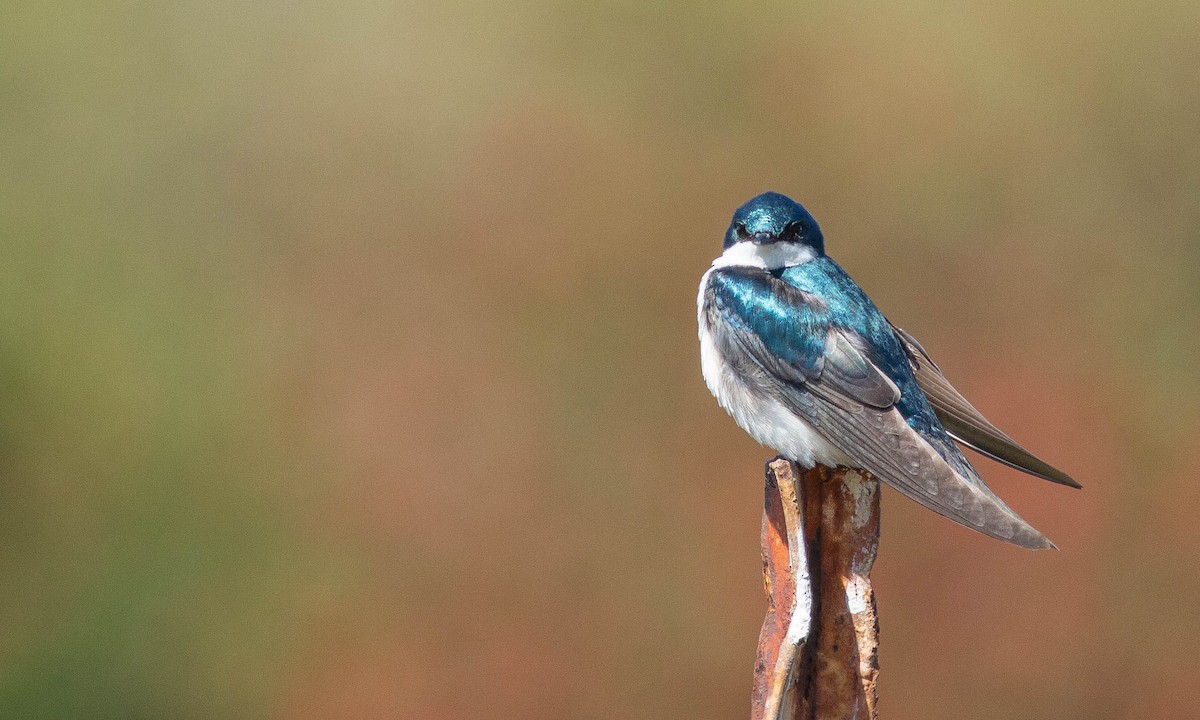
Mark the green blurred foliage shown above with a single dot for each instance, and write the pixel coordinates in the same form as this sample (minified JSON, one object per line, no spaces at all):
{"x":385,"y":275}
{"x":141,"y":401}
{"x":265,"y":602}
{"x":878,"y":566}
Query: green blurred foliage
{"x":348,"y":365}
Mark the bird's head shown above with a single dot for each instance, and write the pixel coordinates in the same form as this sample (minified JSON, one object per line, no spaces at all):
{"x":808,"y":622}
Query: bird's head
{"x":772,"y":218}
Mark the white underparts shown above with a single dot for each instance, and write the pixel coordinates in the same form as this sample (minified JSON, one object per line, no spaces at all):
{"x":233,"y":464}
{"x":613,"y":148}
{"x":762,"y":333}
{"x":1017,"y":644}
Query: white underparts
{"x":755,"y":409}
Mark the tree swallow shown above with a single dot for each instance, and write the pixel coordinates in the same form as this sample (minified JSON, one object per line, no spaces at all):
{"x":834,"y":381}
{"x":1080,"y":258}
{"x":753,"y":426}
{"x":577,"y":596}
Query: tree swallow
{"x":805,"y":363}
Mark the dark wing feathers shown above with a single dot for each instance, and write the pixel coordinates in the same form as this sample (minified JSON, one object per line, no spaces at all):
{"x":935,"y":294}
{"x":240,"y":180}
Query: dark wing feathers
{"x":751,"y":344}
{"x":968,"y":425}
{"x":880,"y":441}
{"x":854,"y":375}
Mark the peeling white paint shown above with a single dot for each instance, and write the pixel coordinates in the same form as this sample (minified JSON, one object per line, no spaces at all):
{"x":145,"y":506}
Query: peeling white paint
{"x":858,"y":594}
{"x":801,"y":622}
{"x":862,"y":491}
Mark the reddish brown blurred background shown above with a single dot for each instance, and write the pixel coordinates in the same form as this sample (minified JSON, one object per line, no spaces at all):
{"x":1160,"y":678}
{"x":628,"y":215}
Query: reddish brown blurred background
{"x":348,"y":363}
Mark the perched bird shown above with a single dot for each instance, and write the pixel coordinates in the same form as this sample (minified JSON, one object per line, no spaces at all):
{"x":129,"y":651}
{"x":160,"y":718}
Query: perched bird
{"x":805,"y":363}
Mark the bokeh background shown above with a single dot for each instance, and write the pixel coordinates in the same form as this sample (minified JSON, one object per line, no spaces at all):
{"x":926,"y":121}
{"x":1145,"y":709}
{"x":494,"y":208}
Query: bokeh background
{"x":348,"y":362}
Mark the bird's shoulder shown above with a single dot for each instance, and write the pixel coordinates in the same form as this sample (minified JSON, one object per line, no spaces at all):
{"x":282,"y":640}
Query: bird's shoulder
{"x":848,"y":308}
{"x":753,"y":302}
{"x":852,"y":312}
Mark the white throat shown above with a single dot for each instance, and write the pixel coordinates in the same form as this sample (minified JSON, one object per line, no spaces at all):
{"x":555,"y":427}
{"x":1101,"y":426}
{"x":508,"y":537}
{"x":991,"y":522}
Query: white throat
{"x":768,"y":257}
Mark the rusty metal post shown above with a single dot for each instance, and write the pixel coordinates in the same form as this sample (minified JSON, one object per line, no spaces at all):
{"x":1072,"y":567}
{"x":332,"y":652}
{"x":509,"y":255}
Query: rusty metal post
{"x":817,"y":652}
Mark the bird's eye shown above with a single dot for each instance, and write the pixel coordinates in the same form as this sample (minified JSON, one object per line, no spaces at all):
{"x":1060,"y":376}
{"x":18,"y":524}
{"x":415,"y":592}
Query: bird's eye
{"x":740,"y":229}
{"x":794,"y":230}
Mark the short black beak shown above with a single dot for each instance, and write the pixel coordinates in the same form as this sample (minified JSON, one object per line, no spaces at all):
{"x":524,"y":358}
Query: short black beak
{"x":763,"y":238}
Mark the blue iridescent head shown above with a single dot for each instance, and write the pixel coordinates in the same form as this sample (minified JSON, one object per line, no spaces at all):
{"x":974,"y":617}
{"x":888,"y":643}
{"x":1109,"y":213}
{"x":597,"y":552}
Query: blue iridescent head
{"x":774,"y":218}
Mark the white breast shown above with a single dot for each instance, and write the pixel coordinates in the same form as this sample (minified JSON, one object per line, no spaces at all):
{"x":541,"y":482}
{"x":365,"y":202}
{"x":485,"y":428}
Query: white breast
{"x":755,"y":410}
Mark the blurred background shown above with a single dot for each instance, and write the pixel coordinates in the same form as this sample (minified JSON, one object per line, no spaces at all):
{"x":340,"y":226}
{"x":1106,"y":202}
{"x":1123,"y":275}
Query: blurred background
{"x":348,"y":362}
